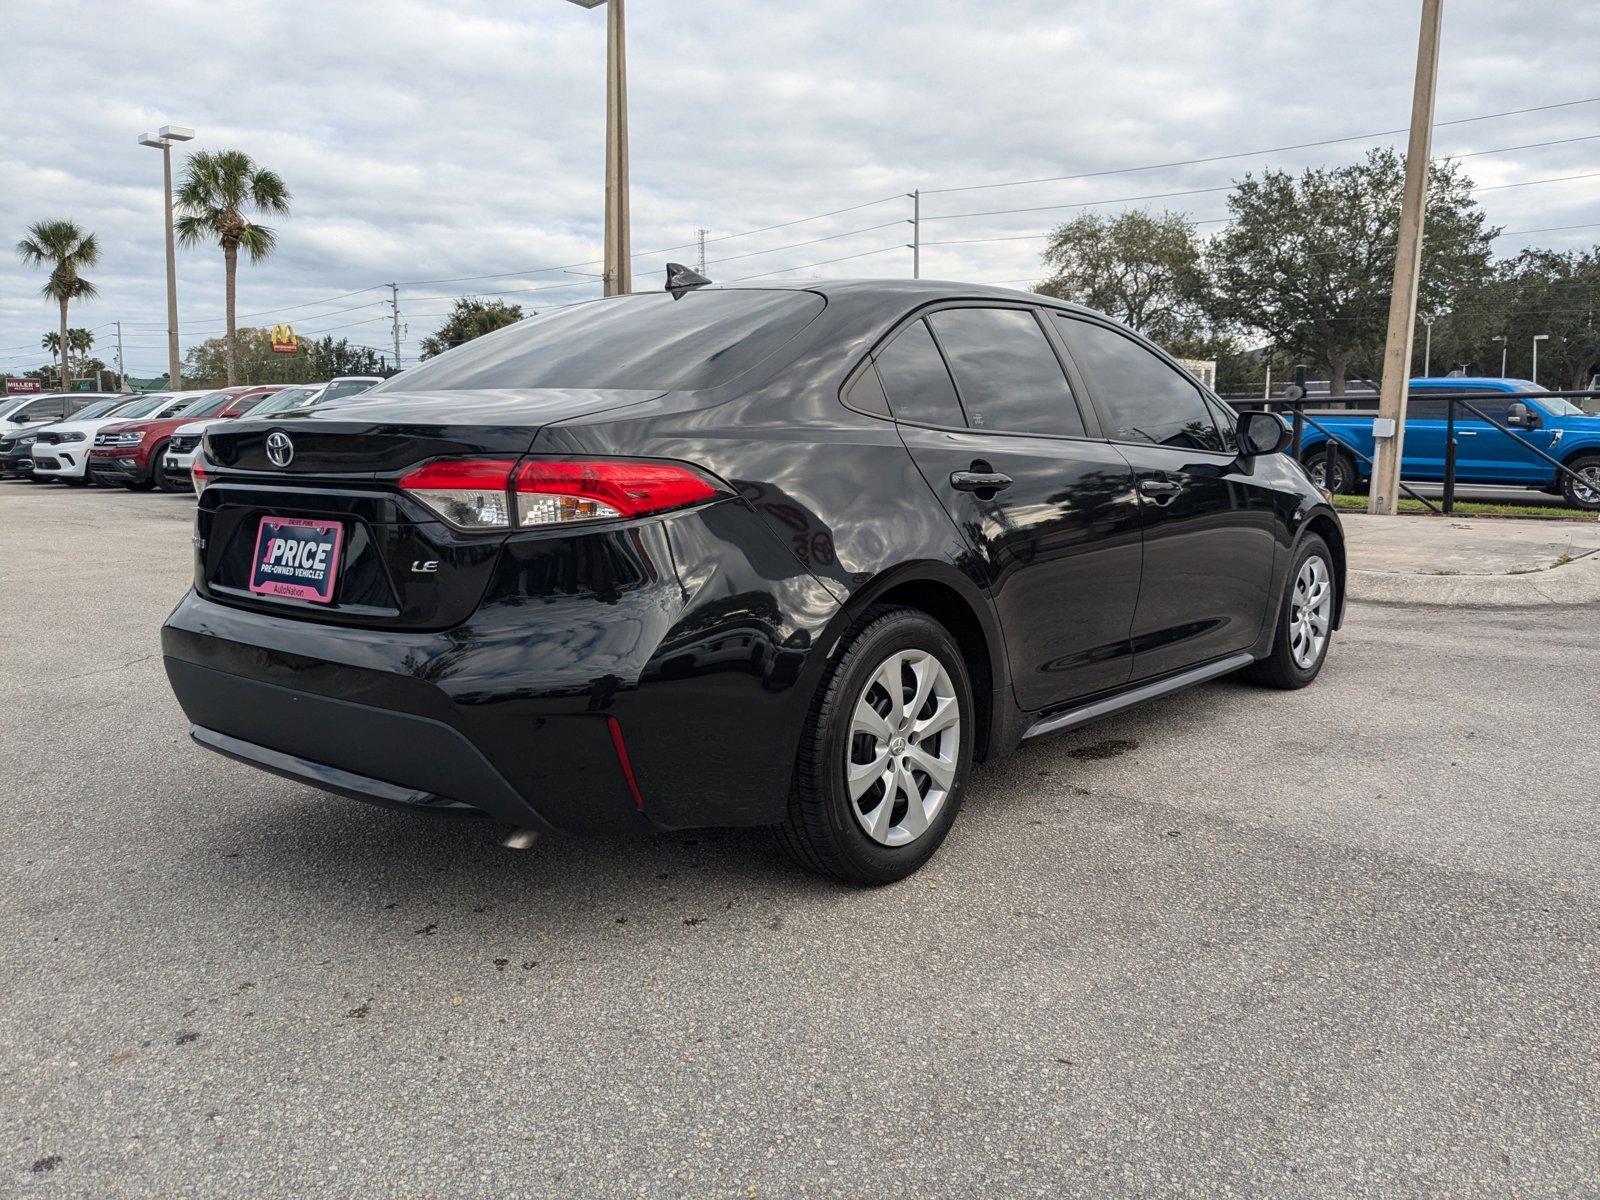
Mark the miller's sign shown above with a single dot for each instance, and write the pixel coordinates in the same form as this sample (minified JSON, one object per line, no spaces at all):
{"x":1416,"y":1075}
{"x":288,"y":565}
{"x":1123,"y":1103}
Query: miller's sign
{"x":284,"y":340}
{"x":19,"y":386}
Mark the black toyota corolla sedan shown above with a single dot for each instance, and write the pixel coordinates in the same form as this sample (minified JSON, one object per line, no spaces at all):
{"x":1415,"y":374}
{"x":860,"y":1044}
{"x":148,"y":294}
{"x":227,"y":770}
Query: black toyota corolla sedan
{"x":785,"y":556}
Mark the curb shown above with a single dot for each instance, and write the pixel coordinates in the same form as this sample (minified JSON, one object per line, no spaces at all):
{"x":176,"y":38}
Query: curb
{"x":1574,"y":583}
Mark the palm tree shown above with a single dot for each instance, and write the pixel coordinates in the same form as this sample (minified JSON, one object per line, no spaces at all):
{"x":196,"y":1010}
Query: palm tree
{"x":66,"y":250}
{"x":216,"y":191}
{"x":51,"y":342}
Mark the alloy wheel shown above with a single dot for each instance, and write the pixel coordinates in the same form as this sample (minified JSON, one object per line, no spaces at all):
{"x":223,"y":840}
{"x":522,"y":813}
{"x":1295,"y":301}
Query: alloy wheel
{"x":1310,"y":612}
{"x":1587,"y":493}
{"x":902,"y":753}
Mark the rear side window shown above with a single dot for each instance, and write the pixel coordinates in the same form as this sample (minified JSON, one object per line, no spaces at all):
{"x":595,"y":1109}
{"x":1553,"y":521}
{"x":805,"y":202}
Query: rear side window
{"x":1145,"y":399}
{"x":1419,"y":408}
{"x":918,"y":385}
{"x":1008,"y":377}
{"x":651,"y":342}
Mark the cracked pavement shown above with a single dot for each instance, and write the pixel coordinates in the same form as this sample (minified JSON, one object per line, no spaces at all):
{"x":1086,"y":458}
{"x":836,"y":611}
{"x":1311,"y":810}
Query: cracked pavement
{"x":1340,"y":942}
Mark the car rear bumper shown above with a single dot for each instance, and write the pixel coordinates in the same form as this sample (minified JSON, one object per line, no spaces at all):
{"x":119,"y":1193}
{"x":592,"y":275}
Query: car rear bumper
{"x":660,"y":706}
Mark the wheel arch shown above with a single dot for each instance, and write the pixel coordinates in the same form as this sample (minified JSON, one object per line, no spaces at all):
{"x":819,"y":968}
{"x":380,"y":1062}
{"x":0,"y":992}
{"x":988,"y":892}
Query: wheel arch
{"x":952,"y":599}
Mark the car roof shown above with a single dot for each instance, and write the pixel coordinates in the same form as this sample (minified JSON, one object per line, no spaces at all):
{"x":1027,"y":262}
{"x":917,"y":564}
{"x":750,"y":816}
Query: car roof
{"x":1493,"y":383}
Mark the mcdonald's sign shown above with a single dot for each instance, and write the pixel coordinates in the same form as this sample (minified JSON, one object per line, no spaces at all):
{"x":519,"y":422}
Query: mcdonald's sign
{"x":284,"y":340}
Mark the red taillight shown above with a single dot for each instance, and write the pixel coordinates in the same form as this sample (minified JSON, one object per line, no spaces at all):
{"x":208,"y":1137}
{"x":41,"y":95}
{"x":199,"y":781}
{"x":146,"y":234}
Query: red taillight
{"x":496,"y":493}
{"x":470,"y":493}
{"x":559,"y":493}
{"x":197,"y":475}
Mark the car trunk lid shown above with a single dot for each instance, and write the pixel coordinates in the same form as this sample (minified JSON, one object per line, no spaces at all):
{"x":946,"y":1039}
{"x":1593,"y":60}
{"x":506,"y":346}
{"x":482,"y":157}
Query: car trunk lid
{"x":397,"y":563}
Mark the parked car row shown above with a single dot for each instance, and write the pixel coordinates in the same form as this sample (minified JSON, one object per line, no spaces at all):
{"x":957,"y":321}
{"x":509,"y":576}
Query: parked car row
{"x":139,"y":441}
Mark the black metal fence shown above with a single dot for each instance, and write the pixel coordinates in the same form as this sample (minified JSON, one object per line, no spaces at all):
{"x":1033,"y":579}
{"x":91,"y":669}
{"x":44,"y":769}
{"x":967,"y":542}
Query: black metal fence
{"x":1454,"y":401}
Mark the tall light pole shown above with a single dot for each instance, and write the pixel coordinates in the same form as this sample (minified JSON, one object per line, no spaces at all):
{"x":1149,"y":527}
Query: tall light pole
{"x":1427,"y":344}
{"x":1537,"y":338}
{"x":162,"y":140}
{"x":1501,"y":338}
{"x":618,"y":243}
{"x":1389,"y":429}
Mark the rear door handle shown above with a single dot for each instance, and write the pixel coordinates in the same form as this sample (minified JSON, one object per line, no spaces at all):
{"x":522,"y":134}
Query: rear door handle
{"x":1158,"y":487}
{"x":980,"y":481}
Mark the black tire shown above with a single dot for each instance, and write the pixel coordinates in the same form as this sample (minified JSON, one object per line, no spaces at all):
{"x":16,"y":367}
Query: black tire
{"x":159,"y":476}
{"x":1577,"y":496}
{"x":822,"y":832}
{"x":1280,"y":669}
{"x":1340,"y":467}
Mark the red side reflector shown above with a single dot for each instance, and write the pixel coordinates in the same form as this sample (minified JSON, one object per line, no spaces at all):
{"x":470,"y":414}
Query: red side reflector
{"x":621,"y":747}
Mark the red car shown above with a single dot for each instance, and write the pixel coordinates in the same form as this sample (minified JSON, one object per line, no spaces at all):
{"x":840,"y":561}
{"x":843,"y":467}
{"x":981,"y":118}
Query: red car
{"x":131,"y":453}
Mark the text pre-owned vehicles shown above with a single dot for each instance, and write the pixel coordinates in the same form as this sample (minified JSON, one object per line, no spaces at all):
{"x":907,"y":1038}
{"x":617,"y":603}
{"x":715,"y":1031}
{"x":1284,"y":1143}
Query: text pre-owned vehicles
{"x":1484,"y":454}
{"x":741,"y":556}
{"x":132,"y":453}
{"x":21,"y":417}
{"x":61,"y":451}
{"x":185,"y":441}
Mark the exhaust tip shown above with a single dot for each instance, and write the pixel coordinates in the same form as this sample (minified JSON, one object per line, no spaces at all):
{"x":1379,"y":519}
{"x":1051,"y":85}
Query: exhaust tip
{"x":521,"y":839}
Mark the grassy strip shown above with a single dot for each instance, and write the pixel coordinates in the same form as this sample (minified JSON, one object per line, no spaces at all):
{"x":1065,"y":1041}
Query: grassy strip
{"x":1473,"y":508}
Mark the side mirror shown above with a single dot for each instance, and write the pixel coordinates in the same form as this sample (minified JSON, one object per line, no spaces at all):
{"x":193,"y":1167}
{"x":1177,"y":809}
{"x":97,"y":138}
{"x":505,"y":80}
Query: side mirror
{"x":1520,"y":416}
{"x":1262,"y":432}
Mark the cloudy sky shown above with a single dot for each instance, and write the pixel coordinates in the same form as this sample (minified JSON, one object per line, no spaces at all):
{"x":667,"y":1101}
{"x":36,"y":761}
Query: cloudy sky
{"x":462,"y":142}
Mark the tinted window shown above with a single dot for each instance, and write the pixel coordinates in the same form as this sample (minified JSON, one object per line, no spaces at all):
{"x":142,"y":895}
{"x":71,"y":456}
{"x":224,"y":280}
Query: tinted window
{"x":914,"y":376}
{"x":1007,"y":375}
{"x":647,"y":341}
{"x":350,"y":387}
{"x":1145,"y":399}
{"x":866,"y":392}
{"x":1420,"y":408}
{"x":51,"y":409}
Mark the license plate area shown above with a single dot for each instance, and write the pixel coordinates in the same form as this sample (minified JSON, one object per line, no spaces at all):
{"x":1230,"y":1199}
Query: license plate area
{"x":296,"y":558}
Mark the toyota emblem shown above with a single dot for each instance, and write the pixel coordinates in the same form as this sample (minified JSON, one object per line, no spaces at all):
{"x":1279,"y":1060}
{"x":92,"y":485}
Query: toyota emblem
{"x":279,"y":448}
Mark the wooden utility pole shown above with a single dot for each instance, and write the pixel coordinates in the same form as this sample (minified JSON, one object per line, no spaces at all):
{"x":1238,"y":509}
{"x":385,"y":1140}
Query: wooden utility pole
{"x":619,"y":253}
{"x":1390,"y":427}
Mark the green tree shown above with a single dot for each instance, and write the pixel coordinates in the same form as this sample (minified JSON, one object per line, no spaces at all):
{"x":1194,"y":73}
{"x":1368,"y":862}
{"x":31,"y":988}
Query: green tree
{"x":331,"y":358}
{"x":1142,"y":269}
{"x":67,"y":251}
{"x":469,"y":319}
{"x":1309,"y":263}
{"x":217,"y":190}
{"x":1556,"y":293}
{"x":51,"y":342}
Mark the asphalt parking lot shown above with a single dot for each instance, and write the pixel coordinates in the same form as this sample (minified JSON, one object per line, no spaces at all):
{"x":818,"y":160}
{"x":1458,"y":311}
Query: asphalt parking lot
{"x":1340,"y":942}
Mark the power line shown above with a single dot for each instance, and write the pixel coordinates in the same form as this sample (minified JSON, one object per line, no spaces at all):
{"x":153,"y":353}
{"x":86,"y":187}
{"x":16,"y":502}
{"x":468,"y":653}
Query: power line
{"x":1191,"y":162}
{"x":824,"y":263}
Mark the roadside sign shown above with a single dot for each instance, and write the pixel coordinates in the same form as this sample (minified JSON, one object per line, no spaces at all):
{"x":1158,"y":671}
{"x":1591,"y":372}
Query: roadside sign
{"x":18,"y":386}
{"x":284,"y":340}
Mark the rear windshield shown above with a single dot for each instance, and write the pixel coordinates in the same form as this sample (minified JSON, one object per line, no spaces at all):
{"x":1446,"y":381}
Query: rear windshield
{"x":646,"y":341}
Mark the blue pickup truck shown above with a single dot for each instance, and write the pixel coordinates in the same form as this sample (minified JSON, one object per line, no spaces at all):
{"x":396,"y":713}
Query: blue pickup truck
{"x":1483,"y":454}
